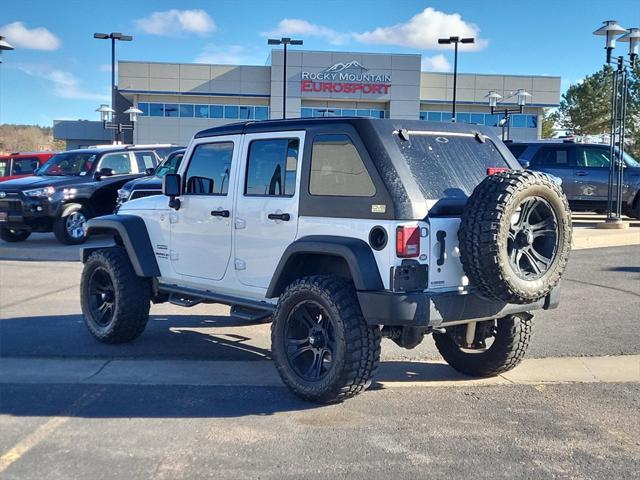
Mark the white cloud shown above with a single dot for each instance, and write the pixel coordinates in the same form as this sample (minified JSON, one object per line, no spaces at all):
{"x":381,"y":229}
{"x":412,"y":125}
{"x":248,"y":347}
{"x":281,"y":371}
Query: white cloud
{"x":423,"y":30}
{"x":297,"y":26}
{"x":437,"y":63}
{"x":38,"y":38}
{"x":228,"y":55}
{"x":65,"y":84}
{"x":174,"y":22}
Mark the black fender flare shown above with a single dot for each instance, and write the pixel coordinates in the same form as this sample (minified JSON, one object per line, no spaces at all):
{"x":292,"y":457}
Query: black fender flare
{"x":135,"y":240}
{"x":356,"y":253}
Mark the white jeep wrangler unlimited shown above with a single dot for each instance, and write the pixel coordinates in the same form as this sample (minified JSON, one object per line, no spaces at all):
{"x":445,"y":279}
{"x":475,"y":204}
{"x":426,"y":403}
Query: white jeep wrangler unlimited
{"x":341,"y":231}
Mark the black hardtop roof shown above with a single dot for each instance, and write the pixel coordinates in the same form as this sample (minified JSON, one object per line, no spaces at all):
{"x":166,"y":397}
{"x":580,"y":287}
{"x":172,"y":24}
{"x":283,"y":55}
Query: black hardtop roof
{"x":357,"y":122}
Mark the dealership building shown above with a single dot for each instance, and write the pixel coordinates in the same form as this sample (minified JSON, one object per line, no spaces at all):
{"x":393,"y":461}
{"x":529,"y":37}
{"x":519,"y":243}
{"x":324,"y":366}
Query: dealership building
{"x":179,"y":99}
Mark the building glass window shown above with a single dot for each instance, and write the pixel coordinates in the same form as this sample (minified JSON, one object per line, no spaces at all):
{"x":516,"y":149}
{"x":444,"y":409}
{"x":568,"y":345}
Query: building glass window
{"x":216,"y":111}
{"x":519,"y":121}
{"x":306,"y":112}
{"x":208,"y":170}
{"x":363,"y":113}
{"x":145,"y":109}
{"x":463,"y":117}
{"x":491,"y":120}
{"x":156,"y":109}
{"x":434,"y":116}
{"x":337,"y":168}
{"x":477,"y":118}
{"x":230,"y":111}
{"x":271,"y":167}
{"x":201,"y":111}
{"x":170,"y":109}
{"x":262,"y":113}
{"x":532,"y":121}
{"x":246,"y":113}
{"x":186,"y":110}
{"x":348,"y":112}
{"x":446,"y":116}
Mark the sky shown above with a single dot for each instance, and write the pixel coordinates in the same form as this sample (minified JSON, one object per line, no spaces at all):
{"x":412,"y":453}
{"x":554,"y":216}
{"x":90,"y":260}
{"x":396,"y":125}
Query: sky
{"x":59,"y":71}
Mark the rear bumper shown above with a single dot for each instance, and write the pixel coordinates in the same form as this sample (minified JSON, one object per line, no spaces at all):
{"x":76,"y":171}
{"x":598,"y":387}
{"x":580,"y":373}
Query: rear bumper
{"x":422,"y":309}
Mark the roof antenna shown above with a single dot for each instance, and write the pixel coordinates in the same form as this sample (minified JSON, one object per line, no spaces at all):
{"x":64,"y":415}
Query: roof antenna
{"x":403,"y":133}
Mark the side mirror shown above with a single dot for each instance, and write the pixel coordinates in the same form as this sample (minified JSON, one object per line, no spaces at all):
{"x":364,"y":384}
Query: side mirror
{"x":149,"y":171}
{"x":104,"y":172}
{"x":171,"y":188}
{"x":524,"y":163}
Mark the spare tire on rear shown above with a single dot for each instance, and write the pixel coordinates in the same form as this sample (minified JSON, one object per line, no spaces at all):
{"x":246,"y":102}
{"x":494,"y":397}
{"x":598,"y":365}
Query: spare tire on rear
{"x":515,"y":236}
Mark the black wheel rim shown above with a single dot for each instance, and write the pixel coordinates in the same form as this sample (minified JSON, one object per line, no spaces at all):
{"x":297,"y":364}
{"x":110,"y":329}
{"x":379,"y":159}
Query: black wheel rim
{"x":101,"y":297}
{"x":310,"y":341}
{"x":533,"y":238}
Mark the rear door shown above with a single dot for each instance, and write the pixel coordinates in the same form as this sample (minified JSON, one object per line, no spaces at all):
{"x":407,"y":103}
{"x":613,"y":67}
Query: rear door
{"x":266,"y":220}
{"x":558,"y":160}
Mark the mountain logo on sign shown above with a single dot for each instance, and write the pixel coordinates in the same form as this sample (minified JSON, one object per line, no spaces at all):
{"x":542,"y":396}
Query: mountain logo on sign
{"x":340,"y":67}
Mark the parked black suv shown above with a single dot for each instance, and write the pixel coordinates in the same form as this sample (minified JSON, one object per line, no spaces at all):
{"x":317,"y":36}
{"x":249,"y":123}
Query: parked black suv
{"x":151,"y":185}
{"x":70,"y":188}
{"x":584,"y":170}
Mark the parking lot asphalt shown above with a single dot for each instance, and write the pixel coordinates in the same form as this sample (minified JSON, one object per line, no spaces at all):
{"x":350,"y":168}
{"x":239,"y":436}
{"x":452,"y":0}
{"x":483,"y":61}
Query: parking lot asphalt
{"x":599,"y":314}
{"x":196,"y":397}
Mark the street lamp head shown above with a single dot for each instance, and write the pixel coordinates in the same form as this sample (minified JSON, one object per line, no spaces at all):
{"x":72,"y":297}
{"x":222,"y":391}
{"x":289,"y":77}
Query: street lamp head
{"x":633,"y":37}
{"x":101,"y":36}
{"x":273,"y":41}
{"x":610,"y":30}
{"x":493,"y":98}
{"x":444,"y":41}
{"x":105,"y":112}
{"x":296,"y":42}
{"x":522,"y":97}
{"x":467,"y":40}
{"x":125,"y":38}
{"x":133,"y":113}
{"x":4,"y":45}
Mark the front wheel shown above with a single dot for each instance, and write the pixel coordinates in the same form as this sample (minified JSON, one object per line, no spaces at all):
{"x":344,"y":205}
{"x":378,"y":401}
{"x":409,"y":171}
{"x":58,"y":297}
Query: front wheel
{"x":69,"y":226}
{"x":114,"y":300}
{"x":12,"y":235}
{"x":488,"y":348}
{"x":322,"y":346}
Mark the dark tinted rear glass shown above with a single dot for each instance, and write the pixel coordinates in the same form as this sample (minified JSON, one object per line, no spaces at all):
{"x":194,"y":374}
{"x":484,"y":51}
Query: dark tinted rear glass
{"x":449,"y":165}
{"x":517,"y":150}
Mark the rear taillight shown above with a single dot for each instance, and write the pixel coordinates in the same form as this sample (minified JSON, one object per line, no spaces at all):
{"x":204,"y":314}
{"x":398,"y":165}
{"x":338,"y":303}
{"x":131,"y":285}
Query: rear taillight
{"x":407,"y":242}
{"x":494,"y":170}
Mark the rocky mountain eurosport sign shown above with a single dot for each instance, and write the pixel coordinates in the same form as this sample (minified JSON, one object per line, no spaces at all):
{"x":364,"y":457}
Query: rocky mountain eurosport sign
{"x":350,"y":77}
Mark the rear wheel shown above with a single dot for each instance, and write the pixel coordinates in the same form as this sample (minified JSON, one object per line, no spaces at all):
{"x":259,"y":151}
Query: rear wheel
{"x":114,"y":300}
{"x":13,"y":235}
{"x":322,"y":346}
{"x":69,"y":226}
{"x":488,"y":348}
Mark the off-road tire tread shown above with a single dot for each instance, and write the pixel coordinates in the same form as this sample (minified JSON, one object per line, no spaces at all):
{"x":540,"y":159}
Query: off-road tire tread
{"x":479,"y":231}
{"x":133,"y":296}
{"x":504,"y":354}
{"x":362,"y":340}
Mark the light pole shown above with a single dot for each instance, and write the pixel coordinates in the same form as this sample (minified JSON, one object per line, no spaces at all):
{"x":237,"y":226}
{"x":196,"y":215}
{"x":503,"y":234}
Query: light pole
{"x":113,"y":36}
{"x":494,"y":97}
{"x":455,"y":41}
{"x":4,"y":45}
{"x":619,"y":91}
{"x":284,"y":41}
{"x":107,"y":114}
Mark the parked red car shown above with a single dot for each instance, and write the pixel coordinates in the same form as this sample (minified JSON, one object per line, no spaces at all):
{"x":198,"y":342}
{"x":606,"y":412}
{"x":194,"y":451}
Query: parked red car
{"x":18,"y":165}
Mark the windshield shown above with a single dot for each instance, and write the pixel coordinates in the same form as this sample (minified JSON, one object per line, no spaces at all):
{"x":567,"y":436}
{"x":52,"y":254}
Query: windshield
{"x":69,"y":163}
{"x":449,"y":165}
{"x":170,"y":165}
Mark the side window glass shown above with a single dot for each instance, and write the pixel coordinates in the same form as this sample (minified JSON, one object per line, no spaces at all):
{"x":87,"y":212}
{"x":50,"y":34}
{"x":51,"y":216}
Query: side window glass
{"x":209,"y":169}
{"x":338,"y":169}
{"x":271,"y":167}
{"x":3,"y":168}
{"x":145,"y":160}
{"x":118,"y":162}
{"x":24,"y":166}
{"x":552,"y":157}
{"x":593,"y":157}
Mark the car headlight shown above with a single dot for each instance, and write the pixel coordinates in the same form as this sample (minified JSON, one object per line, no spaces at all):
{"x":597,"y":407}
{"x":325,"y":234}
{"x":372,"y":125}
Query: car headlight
{"x":40,"y":192}
{"x":123,"y":194}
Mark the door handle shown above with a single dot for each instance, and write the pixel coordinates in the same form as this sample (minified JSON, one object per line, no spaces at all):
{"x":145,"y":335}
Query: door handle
{"x":220,"y":213}
{"x":582,"y":173}
{"x":440,"y":236}
{"x":285,"y":217}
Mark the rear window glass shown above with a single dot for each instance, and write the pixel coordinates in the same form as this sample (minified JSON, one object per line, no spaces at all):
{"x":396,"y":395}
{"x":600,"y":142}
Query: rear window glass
{"x":517,"y":150}
{"x":25,"y":166}
{"x":446,"y":165}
